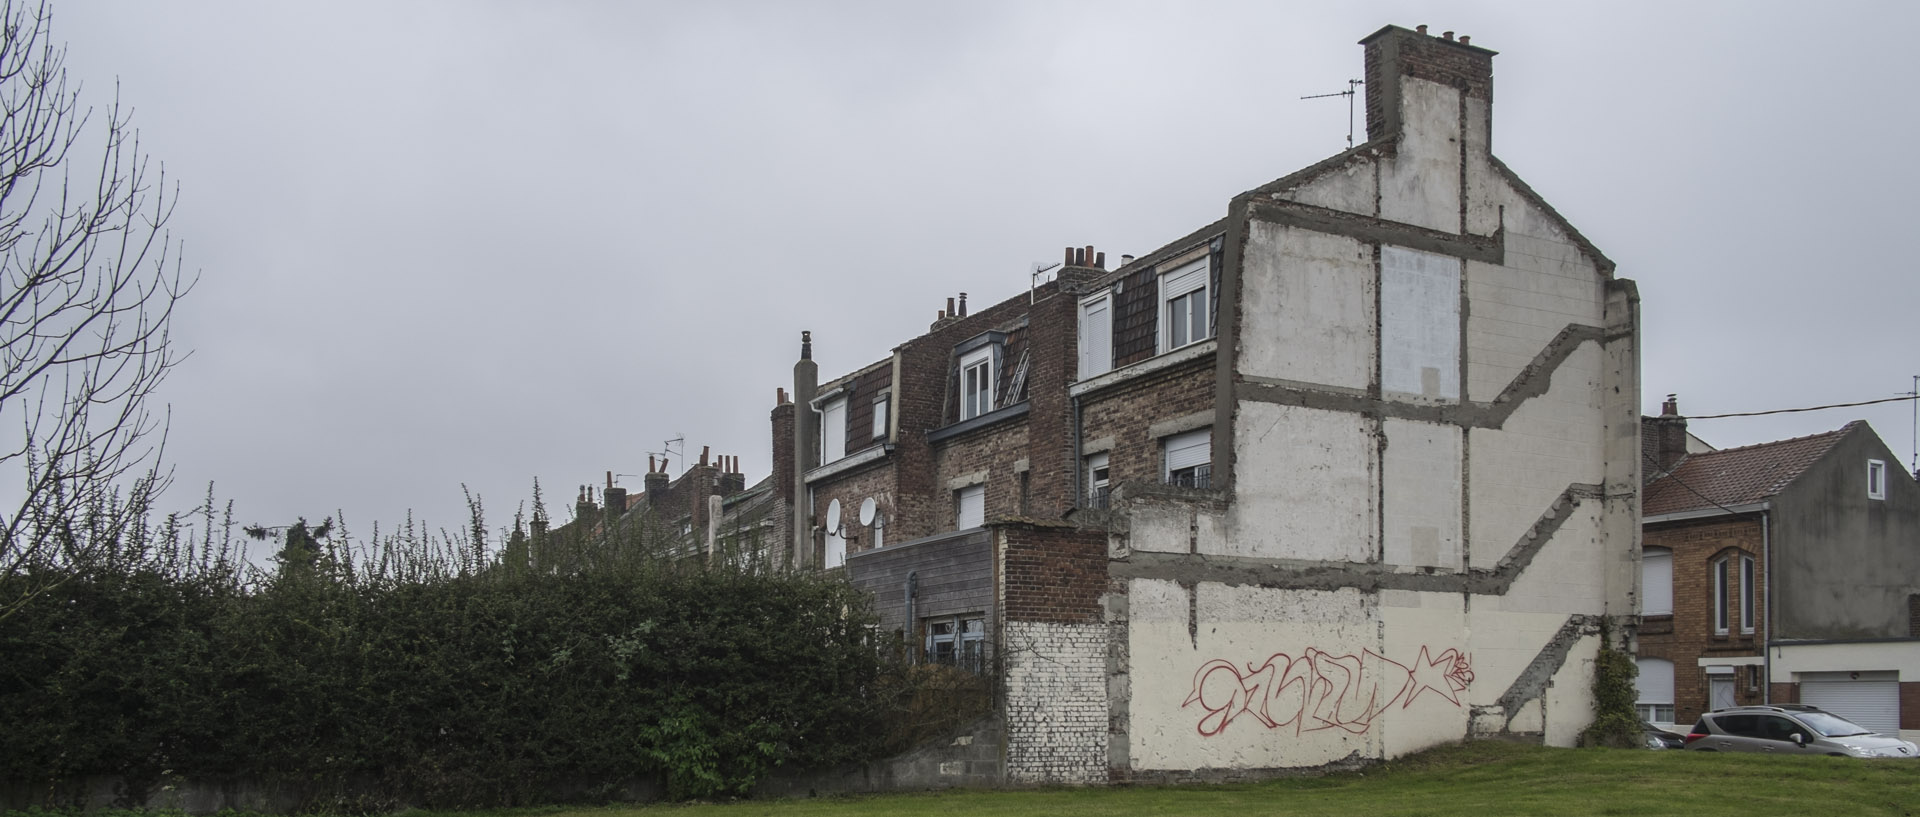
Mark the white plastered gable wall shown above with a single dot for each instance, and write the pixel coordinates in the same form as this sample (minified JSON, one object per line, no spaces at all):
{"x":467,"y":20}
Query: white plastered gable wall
{"x":1317,"y":482}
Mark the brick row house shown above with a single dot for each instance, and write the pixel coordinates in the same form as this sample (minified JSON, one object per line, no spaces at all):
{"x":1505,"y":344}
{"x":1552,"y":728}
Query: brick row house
{"x":1783,"y":572}
{"x":1347,"y":473}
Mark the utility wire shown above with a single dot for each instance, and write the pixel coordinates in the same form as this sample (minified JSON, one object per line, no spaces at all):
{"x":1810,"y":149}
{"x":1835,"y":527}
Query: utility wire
{"x":1809,"y":408}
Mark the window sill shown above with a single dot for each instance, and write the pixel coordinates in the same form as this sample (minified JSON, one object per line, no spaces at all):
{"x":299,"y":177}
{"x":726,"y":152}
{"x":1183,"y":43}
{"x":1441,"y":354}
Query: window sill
{"x":1016,"y":410}
{"x":848,"y":462}
{"x":1184,"y":354}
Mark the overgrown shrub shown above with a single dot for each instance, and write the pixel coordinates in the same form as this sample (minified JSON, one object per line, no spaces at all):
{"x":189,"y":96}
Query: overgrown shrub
{"x":456,"y":689}
{"x":1616,"y":723}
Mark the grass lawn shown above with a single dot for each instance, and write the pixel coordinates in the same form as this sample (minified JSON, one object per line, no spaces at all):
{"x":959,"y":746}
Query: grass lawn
{"x":1483,"y":779}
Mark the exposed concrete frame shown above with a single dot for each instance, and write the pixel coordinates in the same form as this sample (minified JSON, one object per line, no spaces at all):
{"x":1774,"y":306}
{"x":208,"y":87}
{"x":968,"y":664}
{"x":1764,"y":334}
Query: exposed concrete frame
{"x":1307,"y":574}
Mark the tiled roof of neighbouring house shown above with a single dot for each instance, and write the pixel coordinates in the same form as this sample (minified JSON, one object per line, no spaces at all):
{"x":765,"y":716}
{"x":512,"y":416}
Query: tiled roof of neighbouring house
{"x":1736,"y":476}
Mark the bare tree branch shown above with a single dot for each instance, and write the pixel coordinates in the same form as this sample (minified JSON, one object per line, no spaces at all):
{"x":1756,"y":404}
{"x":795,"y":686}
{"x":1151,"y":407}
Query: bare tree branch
{"x":89,"y":276}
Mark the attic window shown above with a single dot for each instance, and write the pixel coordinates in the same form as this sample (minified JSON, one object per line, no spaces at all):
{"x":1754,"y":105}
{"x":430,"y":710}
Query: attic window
{"x":1876,"y":479}
{"x":976,"y":383}
{"x":1185,"y":310}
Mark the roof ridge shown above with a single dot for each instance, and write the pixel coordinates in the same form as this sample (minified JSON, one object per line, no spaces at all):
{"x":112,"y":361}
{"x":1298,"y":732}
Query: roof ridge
{"x":1751,"y":446}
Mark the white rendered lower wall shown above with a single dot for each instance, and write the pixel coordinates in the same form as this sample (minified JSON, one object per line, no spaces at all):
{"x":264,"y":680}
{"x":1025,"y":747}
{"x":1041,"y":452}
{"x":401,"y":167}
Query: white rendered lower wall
{"x":1245,"y":677}
{"x":1056,"y":702}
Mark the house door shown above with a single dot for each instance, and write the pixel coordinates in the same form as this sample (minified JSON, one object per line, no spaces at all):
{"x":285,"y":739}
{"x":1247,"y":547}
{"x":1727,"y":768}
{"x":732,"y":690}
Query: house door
{"x":1720,"y":692}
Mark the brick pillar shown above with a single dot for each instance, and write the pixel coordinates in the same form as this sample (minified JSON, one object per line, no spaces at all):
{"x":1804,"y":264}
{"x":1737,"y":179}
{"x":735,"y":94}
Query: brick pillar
{"x":1053,"y":643}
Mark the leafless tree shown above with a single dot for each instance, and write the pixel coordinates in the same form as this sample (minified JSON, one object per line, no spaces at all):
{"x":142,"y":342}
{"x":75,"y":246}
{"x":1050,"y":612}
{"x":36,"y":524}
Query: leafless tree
{"x":89,"y":276}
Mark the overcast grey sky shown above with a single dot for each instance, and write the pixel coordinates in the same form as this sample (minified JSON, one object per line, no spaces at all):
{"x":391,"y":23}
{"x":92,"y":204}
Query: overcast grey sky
{"x":446,"y":243}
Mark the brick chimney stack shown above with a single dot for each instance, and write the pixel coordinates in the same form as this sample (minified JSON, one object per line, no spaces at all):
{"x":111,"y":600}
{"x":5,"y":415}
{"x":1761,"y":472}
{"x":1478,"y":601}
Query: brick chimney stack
{"x":616,"y":498}
{"x":1672,"y":430}
{"x":1395,"y":54}
{"x":806,"y":447}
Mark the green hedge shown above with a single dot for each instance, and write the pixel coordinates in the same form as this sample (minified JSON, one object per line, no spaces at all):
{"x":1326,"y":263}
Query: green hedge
{"x":499,"y":688}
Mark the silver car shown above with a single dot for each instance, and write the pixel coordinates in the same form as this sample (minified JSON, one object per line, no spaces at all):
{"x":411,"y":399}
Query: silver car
{"x":1792,"y":729}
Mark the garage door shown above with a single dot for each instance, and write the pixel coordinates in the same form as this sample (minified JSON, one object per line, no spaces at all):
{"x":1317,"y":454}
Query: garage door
{"x":1871,"y":700}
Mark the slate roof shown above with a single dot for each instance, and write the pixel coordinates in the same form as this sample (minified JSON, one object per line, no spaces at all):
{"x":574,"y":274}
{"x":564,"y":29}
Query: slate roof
{"x":1737,"y":476}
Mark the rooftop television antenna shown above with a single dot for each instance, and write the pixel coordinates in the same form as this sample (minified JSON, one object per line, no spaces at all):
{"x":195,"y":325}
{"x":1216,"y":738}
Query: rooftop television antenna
{"x":1353,"y":85}
{"x":671,"y":451}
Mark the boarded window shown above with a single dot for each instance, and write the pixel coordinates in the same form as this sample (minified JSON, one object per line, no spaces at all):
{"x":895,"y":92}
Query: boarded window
{"x":1419,"y":324}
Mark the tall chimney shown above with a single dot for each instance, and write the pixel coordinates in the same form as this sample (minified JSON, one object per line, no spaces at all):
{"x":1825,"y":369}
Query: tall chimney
{"x":1671,"y":427}
{"x":1395,"y":54}
{"x":806,"y":448}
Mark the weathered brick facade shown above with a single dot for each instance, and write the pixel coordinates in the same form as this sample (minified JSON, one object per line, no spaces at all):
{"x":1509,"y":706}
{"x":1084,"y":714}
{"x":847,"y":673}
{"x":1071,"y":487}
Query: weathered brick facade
{"x":1687,"y":634}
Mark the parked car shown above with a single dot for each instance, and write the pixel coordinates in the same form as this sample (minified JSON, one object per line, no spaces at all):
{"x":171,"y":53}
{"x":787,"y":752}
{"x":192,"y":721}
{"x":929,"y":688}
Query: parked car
{"x":1653,"y":737}
{"x":1791,"y":729}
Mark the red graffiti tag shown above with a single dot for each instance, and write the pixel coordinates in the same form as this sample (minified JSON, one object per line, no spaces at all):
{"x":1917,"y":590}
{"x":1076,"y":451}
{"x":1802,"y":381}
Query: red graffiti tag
{"x":1319,"y":690}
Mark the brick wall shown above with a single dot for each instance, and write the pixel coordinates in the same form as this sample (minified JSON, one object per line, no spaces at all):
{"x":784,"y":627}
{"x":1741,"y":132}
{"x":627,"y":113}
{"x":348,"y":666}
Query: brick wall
{"x":1127,"y":411}
{"x":1052,"y":573}
{"x":875,"y":481}
{"x":1056,"y":703}
{"x":993,"y":449}
{"x":1910,"y":704}
{"x":1054,"y":652}
{"x":1687,"y":635}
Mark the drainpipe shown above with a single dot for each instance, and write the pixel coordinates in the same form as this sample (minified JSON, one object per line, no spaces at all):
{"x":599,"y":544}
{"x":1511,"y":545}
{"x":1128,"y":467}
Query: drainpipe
{"x":1073,"y":439}
{"x":1766,"y":563}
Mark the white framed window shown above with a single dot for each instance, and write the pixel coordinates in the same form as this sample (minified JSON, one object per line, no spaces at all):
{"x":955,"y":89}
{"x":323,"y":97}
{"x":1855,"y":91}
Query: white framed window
{"x":1096,"y":480}
{"x":879,"y":530}
{"x":1746,"y":594}
{"x":1721,"y":587}
{"x":1096,"y":335}
{"x":1185,"y":310}
{"x":1189,"y":458}
{"x":957,"y":640}
{"x":1653,"y":689}
{"x":880,"y":416}
{"x":1656,"y":582}
{"x":1876,"y":479}
{"x":976,"y":383}
{"x":970,"y":507}
{"x":833,"y":430}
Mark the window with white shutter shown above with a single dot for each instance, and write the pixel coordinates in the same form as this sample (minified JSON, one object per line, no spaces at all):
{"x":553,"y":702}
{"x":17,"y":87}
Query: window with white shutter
{"x":1185,"y":310}
{"x":970,"y":507}
{"x":1656,"y":582}
{"x":1096,"y":336}
{"x":1189,"y":458}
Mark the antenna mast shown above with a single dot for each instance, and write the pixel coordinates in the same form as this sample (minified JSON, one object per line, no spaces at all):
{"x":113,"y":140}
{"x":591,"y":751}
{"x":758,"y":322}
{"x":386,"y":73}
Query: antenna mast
{"x":1349,"y":93}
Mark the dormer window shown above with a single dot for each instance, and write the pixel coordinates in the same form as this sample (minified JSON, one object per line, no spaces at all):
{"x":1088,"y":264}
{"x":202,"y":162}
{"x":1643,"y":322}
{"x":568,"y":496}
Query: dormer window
{"x":1184,"y":306}
{"x":1096,"y":335}
{"x":833,"y":430}
{"x":976,"y":382}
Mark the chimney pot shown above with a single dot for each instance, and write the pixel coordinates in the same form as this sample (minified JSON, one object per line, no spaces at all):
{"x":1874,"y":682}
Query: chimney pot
{"x":703,"y":454}
{"x":1125,"y":260}
{"x":1068,"y":260}
{"x":950,"y":308}
{"x":1422,"y":28}
{"x":1448,"y":35}
{"x":963,"y":304}
{"x":806,"y":345}
{"x":1100,"y":260}
{"x":1464,"y":39}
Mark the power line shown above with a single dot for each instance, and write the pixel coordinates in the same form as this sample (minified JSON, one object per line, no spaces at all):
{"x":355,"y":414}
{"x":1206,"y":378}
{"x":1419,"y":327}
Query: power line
{"x":1809,"y":408}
